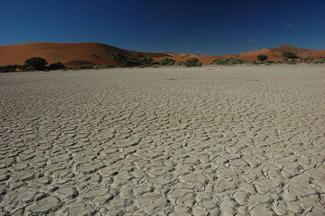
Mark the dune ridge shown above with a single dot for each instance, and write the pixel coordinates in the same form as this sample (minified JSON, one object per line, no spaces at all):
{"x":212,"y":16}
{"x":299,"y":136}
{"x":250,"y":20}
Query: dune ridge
{"x":80,"y":54}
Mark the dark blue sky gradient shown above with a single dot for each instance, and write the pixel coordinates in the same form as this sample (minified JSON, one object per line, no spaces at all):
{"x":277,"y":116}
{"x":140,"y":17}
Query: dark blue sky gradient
{"x":206,"y":27}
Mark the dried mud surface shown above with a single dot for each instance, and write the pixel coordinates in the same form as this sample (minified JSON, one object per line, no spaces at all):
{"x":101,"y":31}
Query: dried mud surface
{"x":167,"y":141}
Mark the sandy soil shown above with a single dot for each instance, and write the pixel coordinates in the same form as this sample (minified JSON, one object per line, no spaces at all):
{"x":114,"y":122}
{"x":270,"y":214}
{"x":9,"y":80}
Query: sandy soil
{"x":168,"y":141}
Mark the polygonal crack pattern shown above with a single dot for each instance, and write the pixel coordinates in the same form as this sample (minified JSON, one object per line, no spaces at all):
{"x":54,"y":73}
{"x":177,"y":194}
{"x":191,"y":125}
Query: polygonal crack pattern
{"x":170,"y":141}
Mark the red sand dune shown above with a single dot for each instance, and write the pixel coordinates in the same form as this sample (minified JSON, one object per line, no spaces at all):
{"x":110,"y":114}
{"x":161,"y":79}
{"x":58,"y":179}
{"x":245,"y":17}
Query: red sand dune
{"x":79,"y":54}
{"x":72,"y":54}
{"x":275,"y":54}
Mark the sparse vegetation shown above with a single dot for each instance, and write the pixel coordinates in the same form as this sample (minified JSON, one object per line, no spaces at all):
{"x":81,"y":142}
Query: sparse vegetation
{"x":128,"y":61}
{"x":228,"y":61}
{"x":36,"y":63}
{"x":146,"y":61}
{"x":132,"y":61}
{"x":290,"y":55}
{"x":8,"y":68}
{"x":308,"y":60}
{"x":319,"y":61}
{"x":167,"y":61}
{"x":56,"y":66}
{"x":262,"y":57}
{"x":155,"y":64}
{"x":268,"y":62}
{"x":193,"y":62}
{"x":32,"y":64}
{"x":181,"y":63}
{"x":24,"y":68}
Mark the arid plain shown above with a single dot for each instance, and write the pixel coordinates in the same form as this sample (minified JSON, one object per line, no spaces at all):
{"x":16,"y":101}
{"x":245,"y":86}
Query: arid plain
{"x":241,"y":140}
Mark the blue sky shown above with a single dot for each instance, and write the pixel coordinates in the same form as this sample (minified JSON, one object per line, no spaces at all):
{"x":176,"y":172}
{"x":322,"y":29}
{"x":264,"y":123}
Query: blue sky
{"x":206,"y":27}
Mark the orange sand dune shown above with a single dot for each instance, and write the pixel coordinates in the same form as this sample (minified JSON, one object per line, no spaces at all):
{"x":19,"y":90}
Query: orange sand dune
{"x":275,"y":54}
{"x":80,"y":54}
{"x":75,"y":54}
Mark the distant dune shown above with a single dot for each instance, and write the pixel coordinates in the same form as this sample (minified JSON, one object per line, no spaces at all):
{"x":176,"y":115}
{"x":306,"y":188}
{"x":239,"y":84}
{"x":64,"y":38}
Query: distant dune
{"x":71,"y":54}
{"x":275,"y":54}
{"x":80,"y":54}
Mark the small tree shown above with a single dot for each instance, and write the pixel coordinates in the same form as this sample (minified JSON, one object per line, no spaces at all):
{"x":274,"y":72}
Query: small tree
{"x":289,"y":55}
{"x":262,"y":57}
{"x":193,"y":62}
{"x":167,"y":61}
{"x":37,"y":63}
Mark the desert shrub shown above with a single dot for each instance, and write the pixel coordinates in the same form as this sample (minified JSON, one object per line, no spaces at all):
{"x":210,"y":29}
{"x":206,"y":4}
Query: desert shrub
{"x":155,"y":64}
{"x":319,"y":61}
{"x":289,"y":55}
{"x":8,"y":68}
{"x":218,"y":61}
{"x":307,"y":60}
{"x":262,"y":57}
{"x":167,"y":61}
{"x":126,"y":60}
{"x":146,"y":61}
{"x":193,"y":62}
{"x":132,"y":61}
{"x":181,"y":63}
{"x":56,"y":66}
{"x":24,"y":68}
{"x":228,"y":61}
{"x":37,"y":63}
{"x":14,"y":68}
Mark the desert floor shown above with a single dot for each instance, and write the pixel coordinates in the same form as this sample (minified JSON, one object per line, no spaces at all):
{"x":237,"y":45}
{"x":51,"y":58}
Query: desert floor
{"x":243,"y":140}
